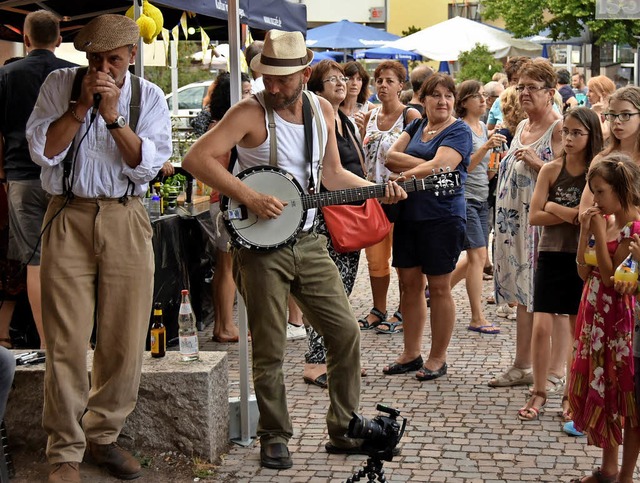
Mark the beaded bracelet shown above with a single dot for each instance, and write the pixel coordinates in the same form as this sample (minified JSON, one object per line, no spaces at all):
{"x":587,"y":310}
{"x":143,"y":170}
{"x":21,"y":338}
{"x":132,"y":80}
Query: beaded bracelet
{"x":75,"y":116}
{"x":580,"y":264}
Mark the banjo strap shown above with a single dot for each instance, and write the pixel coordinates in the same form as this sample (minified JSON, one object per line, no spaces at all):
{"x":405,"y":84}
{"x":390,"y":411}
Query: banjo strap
{"x":309,"y":109}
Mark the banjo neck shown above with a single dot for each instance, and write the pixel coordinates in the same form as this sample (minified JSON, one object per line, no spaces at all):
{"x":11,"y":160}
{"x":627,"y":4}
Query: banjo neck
{"x":440,"y":184}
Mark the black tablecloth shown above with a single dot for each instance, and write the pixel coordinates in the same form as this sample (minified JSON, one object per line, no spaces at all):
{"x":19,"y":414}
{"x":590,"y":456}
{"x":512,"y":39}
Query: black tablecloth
{"x":183,"y":259}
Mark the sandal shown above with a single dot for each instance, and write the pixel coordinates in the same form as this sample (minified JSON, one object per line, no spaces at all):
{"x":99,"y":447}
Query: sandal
{"x":556,"y":384}
{"x":513,"y":377}
{"x":599,"y":476}
{"x":366,"y":325}
{"x":394,"y":327}
{"x":565,"y":412}
{"x":531,"y":412}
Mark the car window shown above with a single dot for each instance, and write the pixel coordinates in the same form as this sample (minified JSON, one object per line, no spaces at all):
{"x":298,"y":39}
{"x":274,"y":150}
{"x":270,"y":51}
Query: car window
{"x":191,"y":98}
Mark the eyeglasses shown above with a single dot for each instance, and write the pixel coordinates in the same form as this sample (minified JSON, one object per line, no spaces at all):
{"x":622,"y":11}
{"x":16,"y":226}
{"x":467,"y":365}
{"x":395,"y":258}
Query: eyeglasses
{"x":622,"y":117}
{"x":334,"y":79}
{"x":531,"y":89}
{"x":574,"y":134}
{"x":479,"y":96}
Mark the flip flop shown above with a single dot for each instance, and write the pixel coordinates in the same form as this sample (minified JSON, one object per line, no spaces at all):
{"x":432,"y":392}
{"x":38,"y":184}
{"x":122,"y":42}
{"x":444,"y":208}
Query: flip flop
{"x":485,"y":329}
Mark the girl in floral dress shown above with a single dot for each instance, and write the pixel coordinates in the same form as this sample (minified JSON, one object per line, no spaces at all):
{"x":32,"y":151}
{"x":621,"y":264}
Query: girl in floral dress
{"x":601,"y":388}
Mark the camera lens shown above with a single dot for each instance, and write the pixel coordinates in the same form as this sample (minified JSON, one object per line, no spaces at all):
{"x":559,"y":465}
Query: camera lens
{"x":362,"y":428}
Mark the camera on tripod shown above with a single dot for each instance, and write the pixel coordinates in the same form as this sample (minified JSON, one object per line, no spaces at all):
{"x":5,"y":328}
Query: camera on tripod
{"x":381,"y":434}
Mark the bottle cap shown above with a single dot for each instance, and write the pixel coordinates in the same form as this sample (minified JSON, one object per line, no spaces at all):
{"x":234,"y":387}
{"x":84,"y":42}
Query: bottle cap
{"x":184,"y":292}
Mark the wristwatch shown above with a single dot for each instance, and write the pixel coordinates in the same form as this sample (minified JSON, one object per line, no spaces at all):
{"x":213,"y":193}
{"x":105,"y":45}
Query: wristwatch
{"x":118,"y":123}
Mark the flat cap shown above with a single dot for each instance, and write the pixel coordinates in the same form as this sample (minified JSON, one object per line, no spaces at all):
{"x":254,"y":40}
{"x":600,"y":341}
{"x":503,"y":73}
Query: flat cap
{"x":107,"y":32}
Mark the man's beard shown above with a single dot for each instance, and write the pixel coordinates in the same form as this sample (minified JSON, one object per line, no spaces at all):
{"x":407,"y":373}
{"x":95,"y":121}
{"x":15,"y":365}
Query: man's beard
{"x":287,"y":101}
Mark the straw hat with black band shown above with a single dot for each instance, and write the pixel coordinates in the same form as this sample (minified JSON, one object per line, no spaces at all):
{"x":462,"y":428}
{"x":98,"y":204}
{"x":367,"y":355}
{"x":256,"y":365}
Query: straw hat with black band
{"x":107,"y":32}
{"x":284,"y":53}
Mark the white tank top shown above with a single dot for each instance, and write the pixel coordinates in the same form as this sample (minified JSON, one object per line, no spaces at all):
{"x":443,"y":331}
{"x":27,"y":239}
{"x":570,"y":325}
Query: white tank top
{"x":291,"y":150}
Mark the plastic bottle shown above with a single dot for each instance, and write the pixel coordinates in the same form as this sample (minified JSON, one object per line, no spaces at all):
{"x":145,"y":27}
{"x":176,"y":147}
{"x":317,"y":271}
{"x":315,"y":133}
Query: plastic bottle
{"x":155,"y":205}
{"x":158,"y":333}
{"x":494,"y":158}
{"x":590,"y":253}
{"x":627,"y":271}
{"x":187,"y":331}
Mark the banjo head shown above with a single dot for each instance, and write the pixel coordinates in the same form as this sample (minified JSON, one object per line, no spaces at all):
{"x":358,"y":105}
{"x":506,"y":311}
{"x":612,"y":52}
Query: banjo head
{"x":256,"y":234}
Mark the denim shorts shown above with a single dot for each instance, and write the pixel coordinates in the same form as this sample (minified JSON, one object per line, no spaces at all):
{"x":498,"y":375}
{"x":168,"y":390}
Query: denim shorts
{"x":477,"y":235}
{"x":433,"y":245}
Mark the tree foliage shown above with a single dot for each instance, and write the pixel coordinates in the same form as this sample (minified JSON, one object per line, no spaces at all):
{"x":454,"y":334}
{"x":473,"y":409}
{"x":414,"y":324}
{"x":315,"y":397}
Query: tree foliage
{"x":478,"y":64}
{"x":410,"y":30}
{"x":565,"y":19}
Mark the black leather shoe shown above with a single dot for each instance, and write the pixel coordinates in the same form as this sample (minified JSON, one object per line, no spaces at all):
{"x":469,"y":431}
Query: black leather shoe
{"x":425,"y":374}
{"x":275,"y":456}
{"x":399,"y":368}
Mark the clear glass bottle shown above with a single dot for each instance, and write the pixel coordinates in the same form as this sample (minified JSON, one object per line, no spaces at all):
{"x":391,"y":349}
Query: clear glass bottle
{"x":187,"y":331}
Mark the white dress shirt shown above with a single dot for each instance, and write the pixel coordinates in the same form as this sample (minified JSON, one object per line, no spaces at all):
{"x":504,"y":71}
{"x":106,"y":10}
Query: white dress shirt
{"x":100,"y":171}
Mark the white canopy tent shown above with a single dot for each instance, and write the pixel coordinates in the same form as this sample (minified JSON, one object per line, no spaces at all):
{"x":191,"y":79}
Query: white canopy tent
{"x":446,"y":40}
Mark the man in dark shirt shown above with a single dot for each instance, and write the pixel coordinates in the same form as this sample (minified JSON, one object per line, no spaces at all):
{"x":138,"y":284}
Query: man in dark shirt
{"x":20,"y":84}
{"x":568,"y":98}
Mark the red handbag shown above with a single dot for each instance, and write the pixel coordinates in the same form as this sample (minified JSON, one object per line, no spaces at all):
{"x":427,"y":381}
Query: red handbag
{"x":354,"y":227}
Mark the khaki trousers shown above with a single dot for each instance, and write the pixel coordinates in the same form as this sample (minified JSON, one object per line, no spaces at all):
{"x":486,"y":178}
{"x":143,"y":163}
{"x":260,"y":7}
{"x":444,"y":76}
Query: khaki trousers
{"x":265,"y":280}
{"x":97,"y":263}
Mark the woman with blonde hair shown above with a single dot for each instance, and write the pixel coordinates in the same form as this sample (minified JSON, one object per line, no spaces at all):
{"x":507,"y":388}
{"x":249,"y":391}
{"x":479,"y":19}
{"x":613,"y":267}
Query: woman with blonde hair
{"x":600,"y":90}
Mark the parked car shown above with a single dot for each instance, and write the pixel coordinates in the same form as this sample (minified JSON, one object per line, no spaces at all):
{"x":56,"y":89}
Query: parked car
{"x":189,"y":101}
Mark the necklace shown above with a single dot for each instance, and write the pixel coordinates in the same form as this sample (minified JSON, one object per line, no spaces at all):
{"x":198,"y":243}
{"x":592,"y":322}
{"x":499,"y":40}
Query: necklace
{"x":432,"y":132}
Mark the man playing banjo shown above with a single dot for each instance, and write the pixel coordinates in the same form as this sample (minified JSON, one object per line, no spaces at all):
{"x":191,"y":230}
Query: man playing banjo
{"x":303,"y":267}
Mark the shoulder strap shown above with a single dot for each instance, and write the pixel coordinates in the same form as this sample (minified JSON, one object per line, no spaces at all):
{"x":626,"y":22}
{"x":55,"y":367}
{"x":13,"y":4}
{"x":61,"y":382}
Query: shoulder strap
{"x":273,"y":142}
{"x":134,"y":104}
{"x":404,"y":116}
{"x":68,"y":159}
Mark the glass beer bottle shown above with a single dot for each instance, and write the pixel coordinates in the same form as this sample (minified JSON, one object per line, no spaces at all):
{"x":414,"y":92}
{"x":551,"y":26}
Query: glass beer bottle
{"x":158,"y":333}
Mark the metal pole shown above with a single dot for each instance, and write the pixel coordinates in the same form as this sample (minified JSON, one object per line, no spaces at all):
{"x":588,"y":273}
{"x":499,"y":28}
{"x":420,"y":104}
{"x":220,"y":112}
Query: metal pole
{"x":139,"y":65}
{"x":173,"y":46}
{"x":245,"y":409}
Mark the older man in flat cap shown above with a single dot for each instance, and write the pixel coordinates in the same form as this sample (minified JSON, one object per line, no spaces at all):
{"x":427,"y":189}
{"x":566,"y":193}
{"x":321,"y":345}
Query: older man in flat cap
{"x":302,"y":267}
{"x":100,"y":137}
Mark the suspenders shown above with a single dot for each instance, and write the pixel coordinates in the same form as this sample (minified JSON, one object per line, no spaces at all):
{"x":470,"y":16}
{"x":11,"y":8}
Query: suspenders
{"x":134,"y":116}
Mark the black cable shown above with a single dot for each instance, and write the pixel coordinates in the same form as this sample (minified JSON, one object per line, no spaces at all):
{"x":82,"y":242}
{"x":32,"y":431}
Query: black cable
{"x":68,"y":197}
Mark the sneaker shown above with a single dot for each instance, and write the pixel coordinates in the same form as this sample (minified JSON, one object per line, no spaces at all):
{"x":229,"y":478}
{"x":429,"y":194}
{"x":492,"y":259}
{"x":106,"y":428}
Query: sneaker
{"x":295,"y":331}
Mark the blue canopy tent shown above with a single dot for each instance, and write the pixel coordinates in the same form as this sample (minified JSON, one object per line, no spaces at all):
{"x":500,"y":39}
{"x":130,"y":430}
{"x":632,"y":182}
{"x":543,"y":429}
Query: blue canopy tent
{"x":402,"y":56}
{"x":347,"y":35}
{"x":329,"y":55}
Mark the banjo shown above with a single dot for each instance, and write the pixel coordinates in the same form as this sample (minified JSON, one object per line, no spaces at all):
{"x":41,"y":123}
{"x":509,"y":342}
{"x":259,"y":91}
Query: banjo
{"x":246,"y":230}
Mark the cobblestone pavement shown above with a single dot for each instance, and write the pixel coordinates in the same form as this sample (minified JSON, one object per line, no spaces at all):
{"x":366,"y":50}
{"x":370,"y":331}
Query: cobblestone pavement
{"x":459,"y":429}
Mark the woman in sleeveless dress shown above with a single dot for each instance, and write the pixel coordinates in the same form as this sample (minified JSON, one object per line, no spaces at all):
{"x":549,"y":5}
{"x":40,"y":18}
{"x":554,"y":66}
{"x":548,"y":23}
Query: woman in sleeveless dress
{"x":383,"y":126}
{"x":537,"y":141}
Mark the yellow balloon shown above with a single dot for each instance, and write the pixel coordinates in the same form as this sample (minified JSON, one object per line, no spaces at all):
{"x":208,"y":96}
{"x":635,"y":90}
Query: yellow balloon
{"x":147,"y":28}
{"x":155,"y":13}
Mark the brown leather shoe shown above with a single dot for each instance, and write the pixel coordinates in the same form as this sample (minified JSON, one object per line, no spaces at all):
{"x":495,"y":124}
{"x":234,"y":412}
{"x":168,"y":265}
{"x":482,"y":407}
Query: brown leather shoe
{"x":65,"y":473}
{"x":117,"y":461}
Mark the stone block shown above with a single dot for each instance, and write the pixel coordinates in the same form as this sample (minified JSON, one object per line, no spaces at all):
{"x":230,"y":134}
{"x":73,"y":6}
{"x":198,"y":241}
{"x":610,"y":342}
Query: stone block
{"x":182,"y":406}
